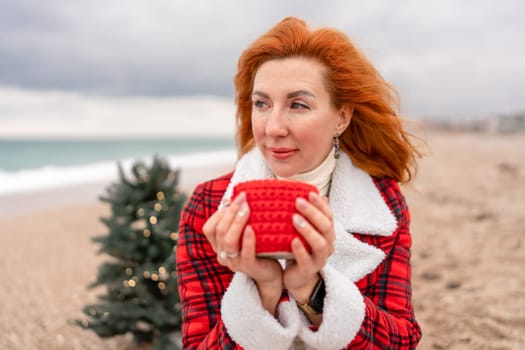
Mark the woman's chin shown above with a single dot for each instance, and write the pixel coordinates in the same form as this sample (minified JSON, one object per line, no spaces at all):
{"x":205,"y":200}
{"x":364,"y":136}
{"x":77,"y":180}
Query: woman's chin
{"x":286,"y":174}
{"x":286,"y":168}
{"x":283,"y":171}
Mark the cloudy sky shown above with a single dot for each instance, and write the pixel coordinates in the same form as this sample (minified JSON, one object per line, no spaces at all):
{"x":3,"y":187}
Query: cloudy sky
{"x":446,"y":57}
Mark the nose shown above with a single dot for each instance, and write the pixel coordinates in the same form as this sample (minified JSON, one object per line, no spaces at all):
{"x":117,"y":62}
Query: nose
{"x":276,"y":124}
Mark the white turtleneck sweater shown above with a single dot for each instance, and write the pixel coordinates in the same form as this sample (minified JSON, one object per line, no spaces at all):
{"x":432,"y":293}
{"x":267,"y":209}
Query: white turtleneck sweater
{"x":320,"y":177}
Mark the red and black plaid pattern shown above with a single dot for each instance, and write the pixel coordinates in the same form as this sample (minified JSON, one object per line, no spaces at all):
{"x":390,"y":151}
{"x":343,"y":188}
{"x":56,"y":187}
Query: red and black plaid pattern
{"x":389,"y":318}
{"x":389,"y":322}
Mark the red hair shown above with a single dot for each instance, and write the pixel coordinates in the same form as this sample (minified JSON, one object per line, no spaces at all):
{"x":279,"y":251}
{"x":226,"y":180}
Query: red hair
{"x":375,"y":139}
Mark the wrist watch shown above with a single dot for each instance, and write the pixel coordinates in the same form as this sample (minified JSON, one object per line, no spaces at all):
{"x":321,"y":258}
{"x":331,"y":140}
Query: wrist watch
{"x":315,"y":304}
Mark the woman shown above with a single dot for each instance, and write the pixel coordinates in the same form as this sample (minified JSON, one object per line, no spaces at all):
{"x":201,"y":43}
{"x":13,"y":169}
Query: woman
{"x":310,"y":108}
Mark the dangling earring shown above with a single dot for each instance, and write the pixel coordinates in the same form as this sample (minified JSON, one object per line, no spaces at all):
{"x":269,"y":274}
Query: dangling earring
{"x":337,"y":148}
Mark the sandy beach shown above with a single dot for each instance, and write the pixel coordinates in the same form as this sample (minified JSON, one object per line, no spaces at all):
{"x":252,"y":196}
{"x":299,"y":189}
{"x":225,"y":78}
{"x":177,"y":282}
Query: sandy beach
{"x":468,"y":218}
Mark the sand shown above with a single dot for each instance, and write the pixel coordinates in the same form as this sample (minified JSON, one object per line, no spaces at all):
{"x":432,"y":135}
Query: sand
{"x":468,"y":220}
{"x":468,"y":210}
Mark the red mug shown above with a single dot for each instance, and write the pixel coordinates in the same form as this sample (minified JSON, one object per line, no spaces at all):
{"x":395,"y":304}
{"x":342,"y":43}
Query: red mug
{"x":272,"y":205}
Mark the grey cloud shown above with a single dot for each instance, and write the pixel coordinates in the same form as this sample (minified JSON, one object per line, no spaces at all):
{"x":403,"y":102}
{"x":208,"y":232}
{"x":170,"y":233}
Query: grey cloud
{"x":431,"y":50}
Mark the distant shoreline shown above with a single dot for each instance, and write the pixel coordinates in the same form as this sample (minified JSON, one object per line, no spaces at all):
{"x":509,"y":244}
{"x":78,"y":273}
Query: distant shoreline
{"x":192,"y":171}
{"x":49,"y":177}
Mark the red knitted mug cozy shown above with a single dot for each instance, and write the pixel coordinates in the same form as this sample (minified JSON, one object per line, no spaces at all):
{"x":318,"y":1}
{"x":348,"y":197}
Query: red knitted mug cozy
{"x":272,"y":205}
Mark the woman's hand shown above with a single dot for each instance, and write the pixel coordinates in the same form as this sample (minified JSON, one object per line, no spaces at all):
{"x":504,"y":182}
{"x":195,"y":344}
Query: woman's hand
{"x":315,"y":223}
{"x":224,"y":228}
{"x":234,"y":243}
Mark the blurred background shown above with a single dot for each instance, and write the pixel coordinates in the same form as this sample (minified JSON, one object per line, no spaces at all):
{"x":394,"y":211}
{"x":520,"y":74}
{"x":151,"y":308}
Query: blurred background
{"x":125,"y":79}
{"x":84,"y":84}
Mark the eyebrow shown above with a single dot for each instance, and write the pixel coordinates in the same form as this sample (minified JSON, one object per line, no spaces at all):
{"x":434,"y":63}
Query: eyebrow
{"x":290,"y":95}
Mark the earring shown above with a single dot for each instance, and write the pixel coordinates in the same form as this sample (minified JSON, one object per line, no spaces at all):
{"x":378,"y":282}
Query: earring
{"x":337,"y":148}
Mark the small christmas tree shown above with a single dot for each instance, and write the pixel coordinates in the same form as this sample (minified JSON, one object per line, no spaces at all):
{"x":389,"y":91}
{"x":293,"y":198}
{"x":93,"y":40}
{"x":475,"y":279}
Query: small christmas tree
{"x":142,"y":296}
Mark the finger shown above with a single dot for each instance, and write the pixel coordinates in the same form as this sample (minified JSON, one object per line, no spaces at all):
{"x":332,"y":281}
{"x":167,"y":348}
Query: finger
{"x":318,"y":243}
{"x":248,"y":244}
{"x":301,"y":254}
{"x":223,"y":254}
{"x":209,"y":228}
{"x":315,"y":215}
{"x":229,"y":213}
{"x":321,"y":203}
{"x":228,"y":259}
{"x":222,"y":258}
{"x":225,"y":203}
{"x":231,"y":241}
{"x":217,"y":224}
{"x":231,"y":227}
{"x":324,"y":205}
{"x":246,"y":256}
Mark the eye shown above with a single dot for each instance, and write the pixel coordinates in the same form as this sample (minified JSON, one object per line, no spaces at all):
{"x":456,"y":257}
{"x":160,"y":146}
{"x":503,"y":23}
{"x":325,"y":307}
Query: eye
{"x":259,"y":104}
{"x":299,"y":105}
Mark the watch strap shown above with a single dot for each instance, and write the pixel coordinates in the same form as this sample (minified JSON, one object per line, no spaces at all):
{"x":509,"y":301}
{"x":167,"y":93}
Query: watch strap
{"x":317,"y":297}
{"x":315,"y":304}
{"x":307,"y":309}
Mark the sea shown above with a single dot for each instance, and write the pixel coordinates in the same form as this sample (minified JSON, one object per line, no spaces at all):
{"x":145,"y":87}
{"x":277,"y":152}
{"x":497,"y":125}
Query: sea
{"x":41,"y":164}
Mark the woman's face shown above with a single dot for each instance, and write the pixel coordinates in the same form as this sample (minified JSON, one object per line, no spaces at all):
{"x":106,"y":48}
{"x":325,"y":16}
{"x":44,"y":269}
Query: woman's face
{"x":293,"y":119}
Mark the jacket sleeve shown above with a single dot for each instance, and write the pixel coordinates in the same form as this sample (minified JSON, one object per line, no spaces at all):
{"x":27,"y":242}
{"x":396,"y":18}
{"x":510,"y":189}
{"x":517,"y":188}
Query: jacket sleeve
{"x":389,"y":315}
{"x":202,"y":282}
{"x":222,"y":310}
{"x":376,"y":312}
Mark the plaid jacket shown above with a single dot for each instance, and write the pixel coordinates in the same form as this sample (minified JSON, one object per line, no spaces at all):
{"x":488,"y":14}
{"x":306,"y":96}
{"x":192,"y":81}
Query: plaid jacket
{"x":368,"y":302}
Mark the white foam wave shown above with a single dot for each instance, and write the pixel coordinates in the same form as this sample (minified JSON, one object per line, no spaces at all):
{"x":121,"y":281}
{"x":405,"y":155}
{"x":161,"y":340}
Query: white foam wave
{"x":49,"y":177}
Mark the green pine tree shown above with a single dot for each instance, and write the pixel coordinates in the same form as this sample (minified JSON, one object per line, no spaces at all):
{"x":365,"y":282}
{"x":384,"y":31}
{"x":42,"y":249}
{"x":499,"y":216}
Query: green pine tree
{"x":142,"y":296}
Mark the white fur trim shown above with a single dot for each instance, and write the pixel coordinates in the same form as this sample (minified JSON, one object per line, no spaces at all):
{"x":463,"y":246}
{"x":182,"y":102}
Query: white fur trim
{"x":357,"y":203}
{"x":343,"y":314}
{"x":249,"y":324}
{"x":353,"y":258}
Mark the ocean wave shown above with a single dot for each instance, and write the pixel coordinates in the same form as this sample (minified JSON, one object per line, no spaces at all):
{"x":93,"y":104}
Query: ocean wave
{"x":49,"y":177}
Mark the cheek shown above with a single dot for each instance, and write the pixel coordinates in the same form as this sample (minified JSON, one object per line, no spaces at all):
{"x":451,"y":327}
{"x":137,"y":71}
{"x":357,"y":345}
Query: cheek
{"x":317,"y":139}
{"x":258,"y":127}
{"x":314,"y":134}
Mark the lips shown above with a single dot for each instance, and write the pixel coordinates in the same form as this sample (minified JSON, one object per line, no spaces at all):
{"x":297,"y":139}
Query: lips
{"x":282,"y":152}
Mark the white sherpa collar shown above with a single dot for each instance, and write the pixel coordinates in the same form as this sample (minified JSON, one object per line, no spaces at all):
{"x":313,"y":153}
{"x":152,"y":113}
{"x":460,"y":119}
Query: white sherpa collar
{"x":357,"y":205}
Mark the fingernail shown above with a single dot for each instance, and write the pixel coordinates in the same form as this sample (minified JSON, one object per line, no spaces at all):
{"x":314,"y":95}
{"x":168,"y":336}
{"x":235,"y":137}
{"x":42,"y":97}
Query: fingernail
{"x":301,"y":203}
{"x":313,"y":196}
{"x":248,"y":232}
{"x":243,"y":211}
{"x":299,"y":221}
{"x":240,"y":198}
{"x":226,"y":202}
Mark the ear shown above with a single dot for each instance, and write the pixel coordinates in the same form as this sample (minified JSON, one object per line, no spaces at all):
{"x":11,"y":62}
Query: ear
{"x":345,"y":116}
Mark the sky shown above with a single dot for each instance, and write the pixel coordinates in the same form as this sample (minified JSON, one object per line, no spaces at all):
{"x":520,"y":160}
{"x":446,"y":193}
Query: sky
{"x":81,"y":67}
